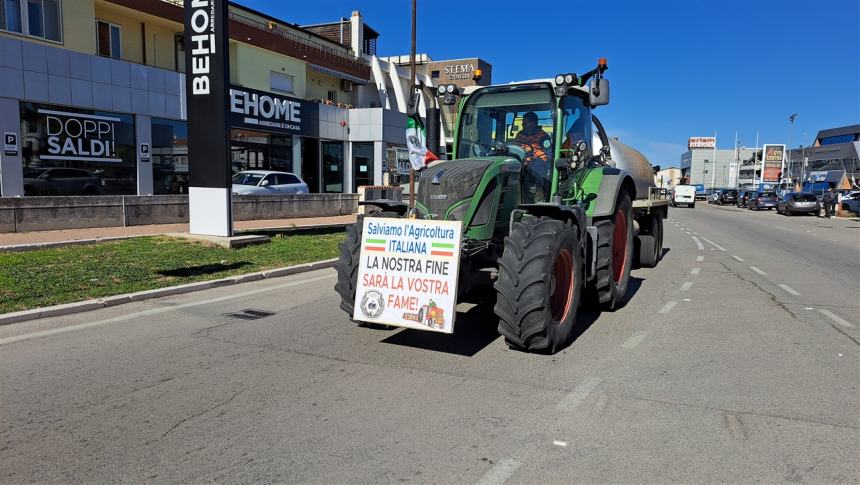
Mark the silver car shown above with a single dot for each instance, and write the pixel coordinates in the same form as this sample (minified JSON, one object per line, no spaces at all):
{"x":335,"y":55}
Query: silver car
{"x":60,"y":181}
{"x":265,"y":182}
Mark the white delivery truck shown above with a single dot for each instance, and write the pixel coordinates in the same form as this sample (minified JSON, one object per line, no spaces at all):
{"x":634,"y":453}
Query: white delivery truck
{"x":684,"y":195}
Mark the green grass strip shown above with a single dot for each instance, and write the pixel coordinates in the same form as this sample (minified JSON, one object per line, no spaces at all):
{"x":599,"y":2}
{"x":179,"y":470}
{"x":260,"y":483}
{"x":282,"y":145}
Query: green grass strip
{"x":442,"y":245}
{"x":375,"y":241}
{"x":54,"y":276}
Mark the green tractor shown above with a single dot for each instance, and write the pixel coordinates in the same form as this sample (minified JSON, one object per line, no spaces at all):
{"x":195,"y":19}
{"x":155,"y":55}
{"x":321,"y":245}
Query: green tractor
{"x":554,"y":212}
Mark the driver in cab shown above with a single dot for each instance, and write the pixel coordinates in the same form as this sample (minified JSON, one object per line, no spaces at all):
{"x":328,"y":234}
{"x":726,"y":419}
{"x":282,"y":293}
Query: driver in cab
{"x":538,"y":147}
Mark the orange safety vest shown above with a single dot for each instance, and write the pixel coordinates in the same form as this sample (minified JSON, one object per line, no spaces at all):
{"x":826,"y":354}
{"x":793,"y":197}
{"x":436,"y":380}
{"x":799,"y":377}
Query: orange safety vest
{"x":536,"y":145}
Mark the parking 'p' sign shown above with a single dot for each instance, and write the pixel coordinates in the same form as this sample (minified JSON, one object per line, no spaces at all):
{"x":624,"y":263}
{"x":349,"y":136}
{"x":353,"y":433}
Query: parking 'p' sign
{"x":10,"y":143}
{"x":144,"y":152}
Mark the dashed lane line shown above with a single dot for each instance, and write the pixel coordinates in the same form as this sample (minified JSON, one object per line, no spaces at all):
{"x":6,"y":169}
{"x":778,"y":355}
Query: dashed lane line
{"x":579,"y":394}
{"x":686,"y":286}
{"x":789,"y":289}
{"x":758,"y":270}
{"x":699,"y":244}
{"x":634,"y":340}
{"x":500,"y":472}
{"x":695,"y":270}
{"x":738,"y":258}
{"x":700,"y":258}
{"x":836,"y":318}
{"x":668,"y":307}
{"x":712,"y":243}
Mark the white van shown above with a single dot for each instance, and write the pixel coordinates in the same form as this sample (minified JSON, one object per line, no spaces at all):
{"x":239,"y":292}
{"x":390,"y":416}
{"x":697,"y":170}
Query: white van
{"x":684,"y":195}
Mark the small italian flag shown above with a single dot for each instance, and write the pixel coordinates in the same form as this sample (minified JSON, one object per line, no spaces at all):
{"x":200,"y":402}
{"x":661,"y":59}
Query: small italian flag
{"x":416,"y":140}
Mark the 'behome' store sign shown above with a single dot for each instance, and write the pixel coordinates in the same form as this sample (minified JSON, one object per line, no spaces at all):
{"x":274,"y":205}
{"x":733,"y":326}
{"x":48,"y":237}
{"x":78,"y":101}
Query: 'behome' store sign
{"x":259,"y":110}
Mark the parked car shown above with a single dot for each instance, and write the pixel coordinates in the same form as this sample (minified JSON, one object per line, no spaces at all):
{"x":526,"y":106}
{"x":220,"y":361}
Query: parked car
{"x":762,"y":200}
{"x":851,"y":205}
{"x":713,"y":196}
{"x":743,"y":197}
{"x":798,"y":203}
{"x":727,"y":196}
{"x":60,"y":181}
{"x":851,"y":195}
{"x":266,"y":182}
{"x":684,"y":195}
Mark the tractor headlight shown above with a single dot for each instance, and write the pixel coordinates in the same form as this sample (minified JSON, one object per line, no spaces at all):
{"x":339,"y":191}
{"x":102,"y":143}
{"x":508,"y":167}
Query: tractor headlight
{"x":561,"y":90}
{"x":450,"y":88}
{"x":568,"y":79}
{"x":559,"y":79}
{"x":440,"y":89}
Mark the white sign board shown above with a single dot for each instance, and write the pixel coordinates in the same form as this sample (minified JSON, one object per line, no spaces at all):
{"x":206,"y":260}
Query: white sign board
{"x":407,"y":273}
{"x":144,"y":152}
{"x":701,"y":142}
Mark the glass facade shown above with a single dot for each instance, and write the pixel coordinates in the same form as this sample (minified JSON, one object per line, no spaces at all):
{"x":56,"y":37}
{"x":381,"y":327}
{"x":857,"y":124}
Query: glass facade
{"x":259,"y":150}
{"x":94,"y":149}
{"x":362,"y":164}
{"x":332,"y":160}
{"x":169,"y":156}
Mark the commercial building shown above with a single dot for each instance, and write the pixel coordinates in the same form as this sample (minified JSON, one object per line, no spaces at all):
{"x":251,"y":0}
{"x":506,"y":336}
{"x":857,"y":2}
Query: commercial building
{"x":668,"y":177}
{"x":704,"y":164}
{"x":833,"y":149}
{"x":97,"y":88}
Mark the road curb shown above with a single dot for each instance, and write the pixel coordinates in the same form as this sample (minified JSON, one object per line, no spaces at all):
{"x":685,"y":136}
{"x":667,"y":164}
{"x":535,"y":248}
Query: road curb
{"x":109,"y":301}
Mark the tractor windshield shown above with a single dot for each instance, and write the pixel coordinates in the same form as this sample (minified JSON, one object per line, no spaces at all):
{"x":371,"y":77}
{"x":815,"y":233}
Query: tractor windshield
{"x":517,"y":120}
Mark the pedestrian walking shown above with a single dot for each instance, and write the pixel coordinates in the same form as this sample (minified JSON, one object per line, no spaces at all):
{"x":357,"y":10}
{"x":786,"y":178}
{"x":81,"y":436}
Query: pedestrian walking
{"x":828,"y":199}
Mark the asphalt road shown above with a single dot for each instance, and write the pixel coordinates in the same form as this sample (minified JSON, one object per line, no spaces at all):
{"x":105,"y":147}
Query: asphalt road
{"x":735,"y":361}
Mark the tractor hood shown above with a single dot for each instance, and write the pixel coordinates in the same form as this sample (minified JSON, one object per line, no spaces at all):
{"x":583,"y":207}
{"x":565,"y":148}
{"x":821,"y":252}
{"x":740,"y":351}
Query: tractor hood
{"x":446,"y":188}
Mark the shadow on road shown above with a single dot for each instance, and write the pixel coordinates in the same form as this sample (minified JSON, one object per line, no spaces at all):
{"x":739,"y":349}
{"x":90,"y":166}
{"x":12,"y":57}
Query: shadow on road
{"x":474,"y":330}
{"x":203,"y":269}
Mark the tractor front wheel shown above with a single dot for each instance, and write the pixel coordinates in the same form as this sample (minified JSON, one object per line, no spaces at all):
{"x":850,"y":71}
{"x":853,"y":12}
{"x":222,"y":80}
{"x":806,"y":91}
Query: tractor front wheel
{"x":614,"y":256}
{"x":539,"y":284}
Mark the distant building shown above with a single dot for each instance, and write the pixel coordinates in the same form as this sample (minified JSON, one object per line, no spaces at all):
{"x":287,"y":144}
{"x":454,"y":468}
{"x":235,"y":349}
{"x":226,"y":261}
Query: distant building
{"x":668,"y":177}
{"x":833,"y":149}
{"x":713,"y":168}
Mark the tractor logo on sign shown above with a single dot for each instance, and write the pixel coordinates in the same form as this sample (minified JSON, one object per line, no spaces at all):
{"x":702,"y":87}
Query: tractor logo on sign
{"x":372,"y":304}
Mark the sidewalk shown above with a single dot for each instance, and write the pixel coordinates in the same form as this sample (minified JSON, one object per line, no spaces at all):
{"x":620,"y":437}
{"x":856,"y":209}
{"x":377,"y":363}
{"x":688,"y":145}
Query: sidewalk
{"x":65,"y":235}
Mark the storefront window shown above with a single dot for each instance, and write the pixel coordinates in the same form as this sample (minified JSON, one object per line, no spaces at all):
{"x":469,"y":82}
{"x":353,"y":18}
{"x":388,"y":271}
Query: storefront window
{"x":332,"y":154}
{"x":170,"y":156}
{"x":362,"y":168}
{"x":258,"y":150}
{"x":95,"y":149}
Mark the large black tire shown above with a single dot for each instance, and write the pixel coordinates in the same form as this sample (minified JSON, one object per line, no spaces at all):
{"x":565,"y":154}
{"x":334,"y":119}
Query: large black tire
{"x":649,"y":245}
{"x":347,"y":263}
{"x":614,"y":262}
{"x":539,"y":284}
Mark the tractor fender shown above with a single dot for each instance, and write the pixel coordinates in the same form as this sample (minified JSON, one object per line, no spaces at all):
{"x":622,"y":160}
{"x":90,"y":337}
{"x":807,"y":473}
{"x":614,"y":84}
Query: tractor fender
{"x":574,"y":214}
{"x":614,"y":181}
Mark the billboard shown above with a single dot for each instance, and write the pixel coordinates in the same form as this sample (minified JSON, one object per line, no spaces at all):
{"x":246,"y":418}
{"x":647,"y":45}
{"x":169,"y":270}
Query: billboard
{"x":702,"y":142}
{"x":773,"y":158}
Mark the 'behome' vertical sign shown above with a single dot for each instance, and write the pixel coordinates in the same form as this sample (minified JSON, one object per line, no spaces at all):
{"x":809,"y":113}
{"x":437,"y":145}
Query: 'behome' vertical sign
{"x":207,"y":84}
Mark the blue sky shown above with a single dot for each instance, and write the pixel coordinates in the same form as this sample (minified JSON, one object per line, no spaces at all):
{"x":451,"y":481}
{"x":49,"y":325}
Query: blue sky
{"x":678,"y":68}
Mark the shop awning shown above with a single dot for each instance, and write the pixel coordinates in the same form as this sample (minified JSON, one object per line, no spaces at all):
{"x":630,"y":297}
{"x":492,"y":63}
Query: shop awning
{"x":337,"y":74}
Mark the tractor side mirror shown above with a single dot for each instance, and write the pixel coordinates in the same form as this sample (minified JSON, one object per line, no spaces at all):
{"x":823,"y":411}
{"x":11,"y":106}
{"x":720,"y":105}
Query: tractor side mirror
{"x":598,"y":92}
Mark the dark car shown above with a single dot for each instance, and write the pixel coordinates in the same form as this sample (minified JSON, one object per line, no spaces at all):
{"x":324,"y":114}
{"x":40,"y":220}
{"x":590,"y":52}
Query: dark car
{"x":762,"y":200}
{"x":851,"y":205}
{"x":798,"y":203}
{"x":743,"y":197}
{"x":727,"y":196}
{"x":60,"y":181}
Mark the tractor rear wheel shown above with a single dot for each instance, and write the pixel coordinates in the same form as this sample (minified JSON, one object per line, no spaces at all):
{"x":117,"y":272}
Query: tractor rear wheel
{"x":614,"y":256}
{"x":347,"y":263}
{"x":539,"y":284}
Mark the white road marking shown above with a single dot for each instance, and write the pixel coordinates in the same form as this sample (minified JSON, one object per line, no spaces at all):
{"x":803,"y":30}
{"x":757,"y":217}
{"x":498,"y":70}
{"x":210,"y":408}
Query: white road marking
{"x":668,"y":307}
{"x":713,"y":244}
{"x":757,"y":270}
{"x":789,"y":289}
{"x":695,"y":270}
{"x":560,"y":443}
{"x":579,"y":393}
{"x":500,"y":472}
{"x":836,"y":318}
{"x":686,"y":286}
{"x":687,"y":299}
{"x":738,"y":258}
{"x":156,"y":311}
{"x":699,"y":244}
{"x":700,"y":258}
{"x":809,"y":308}
{"x":634,"y":340}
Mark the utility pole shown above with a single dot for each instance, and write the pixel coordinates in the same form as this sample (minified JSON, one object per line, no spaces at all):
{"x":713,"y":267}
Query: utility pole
{"x":714,"y":166}
{"x":791,"y":119}
{"x":411,"y":92}
{"x":755,"y":160}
